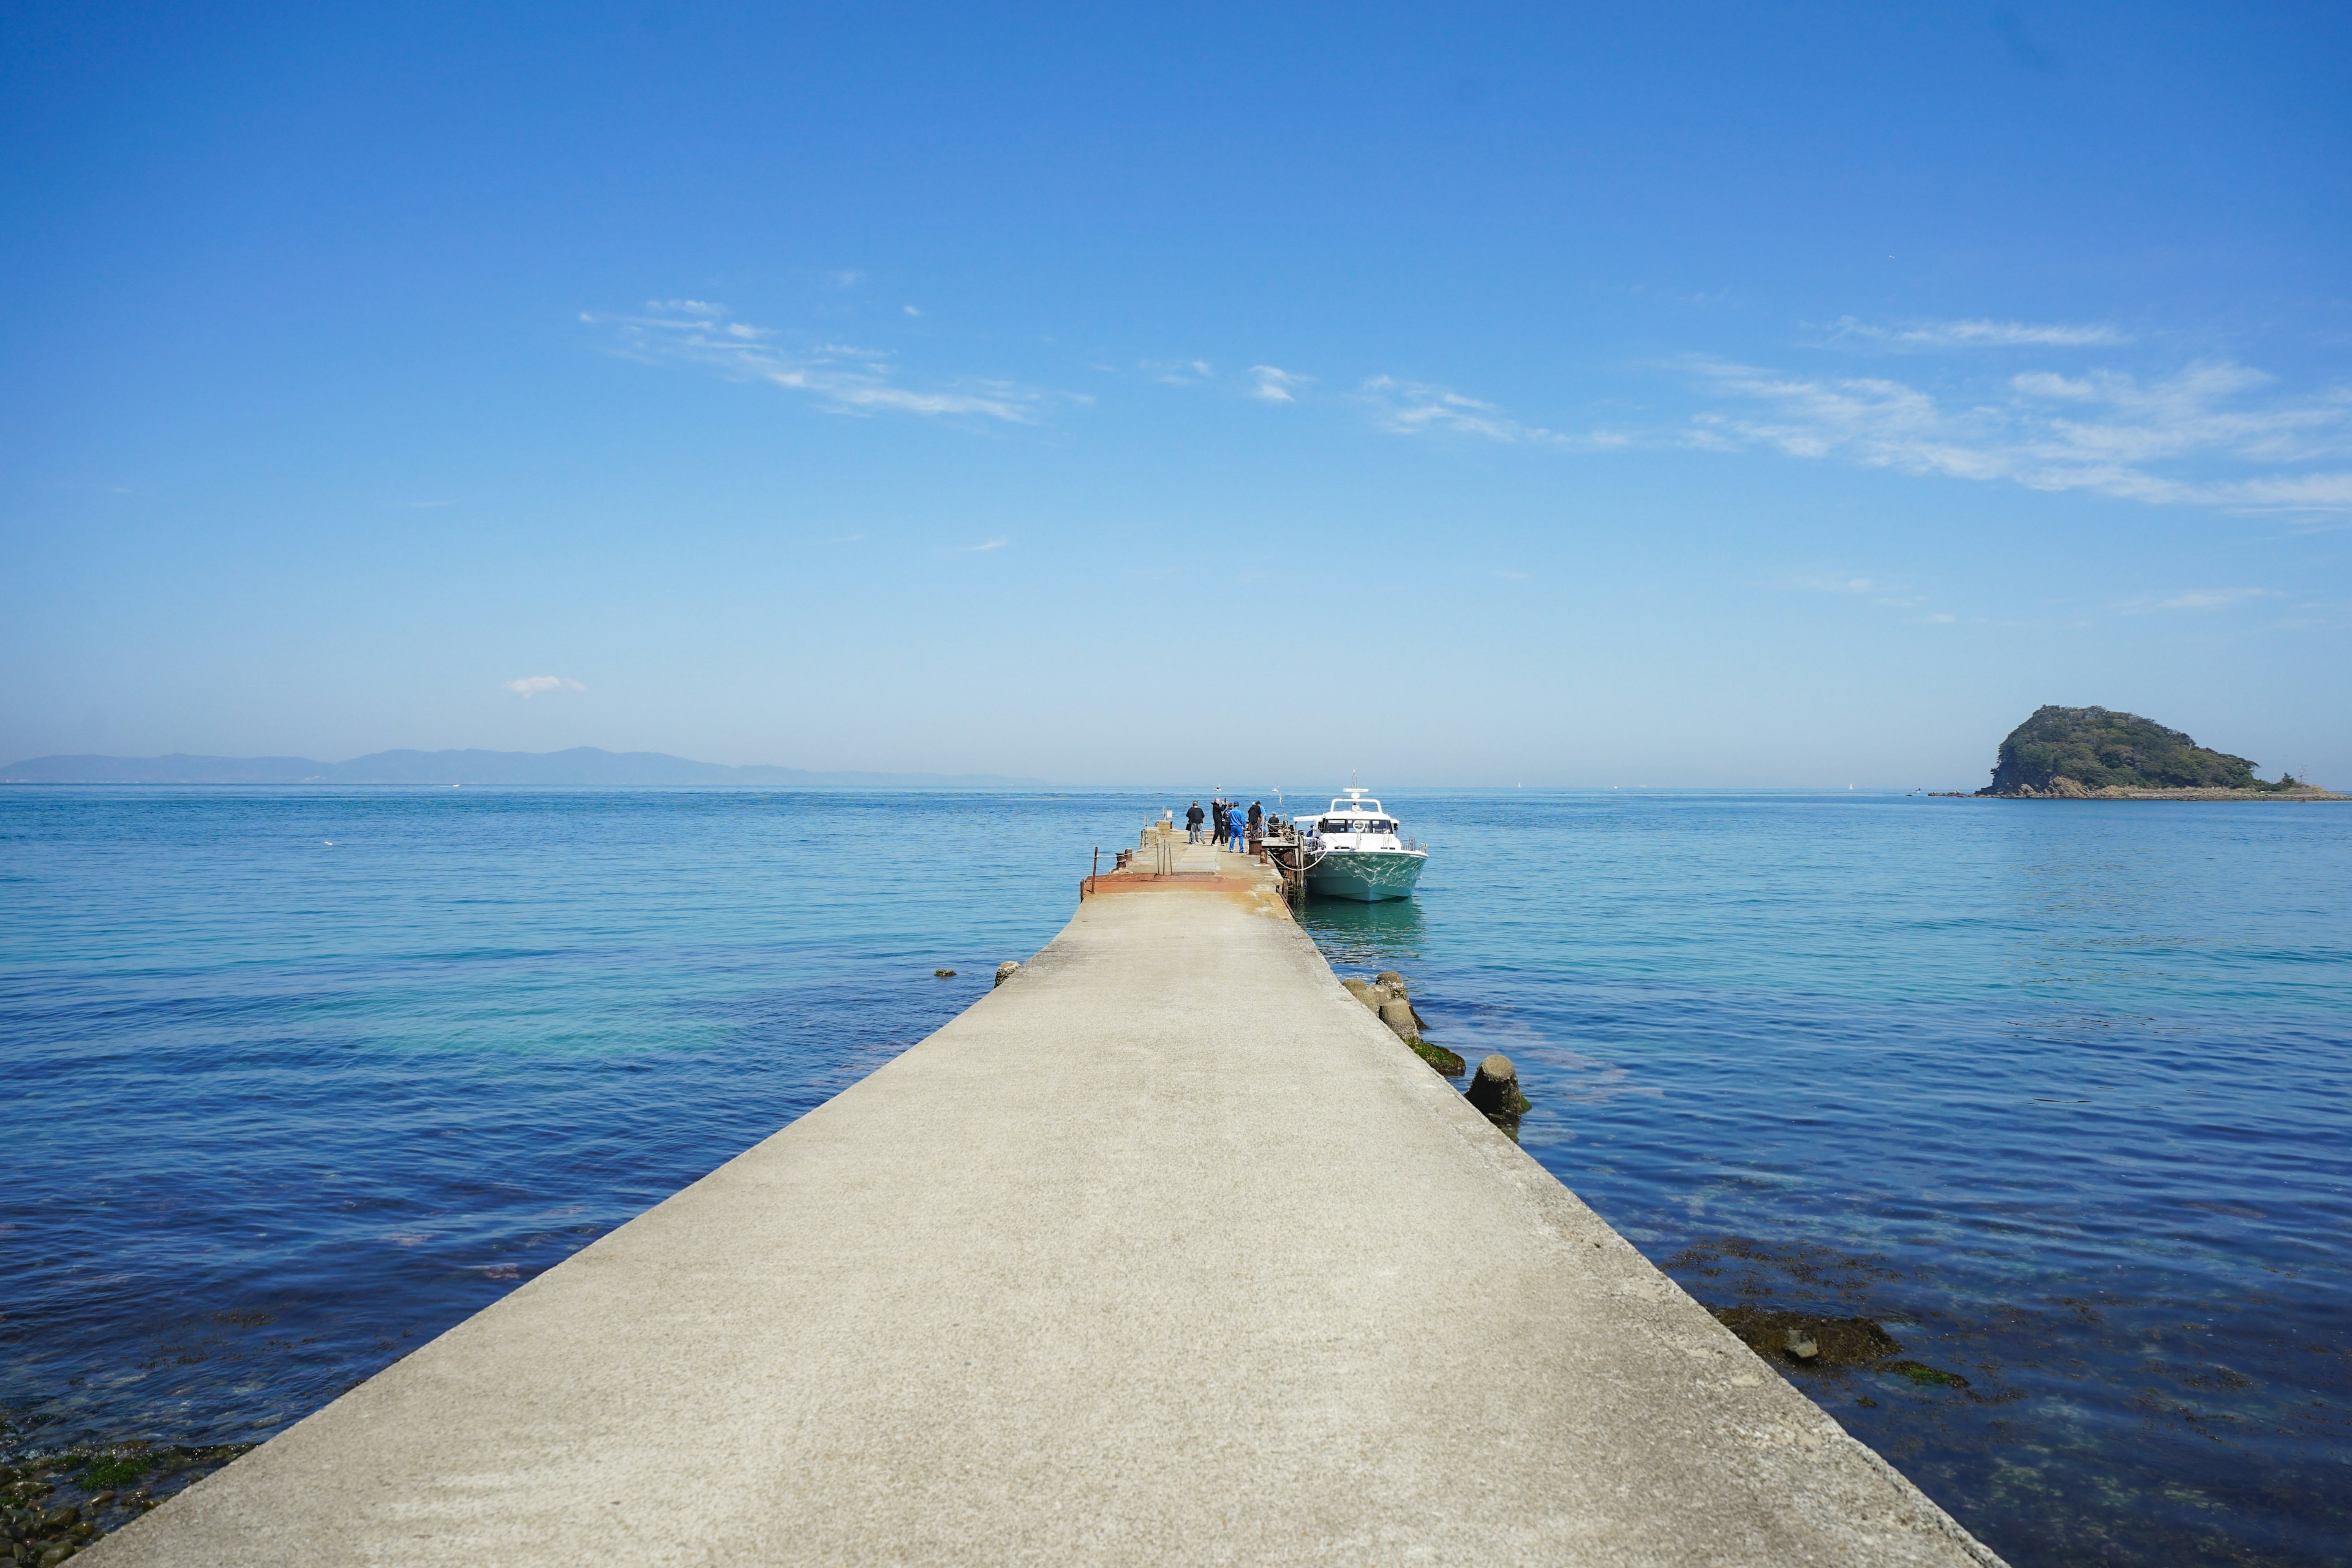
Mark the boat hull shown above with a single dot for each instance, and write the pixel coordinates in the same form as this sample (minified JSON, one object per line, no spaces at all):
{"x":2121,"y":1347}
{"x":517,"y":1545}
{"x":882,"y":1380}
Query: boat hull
{"x":1366,"y":876}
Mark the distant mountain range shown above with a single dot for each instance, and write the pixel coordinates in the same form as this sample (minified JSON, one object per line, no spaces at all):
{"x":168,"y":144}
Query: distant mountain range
{"x":582,"y":765}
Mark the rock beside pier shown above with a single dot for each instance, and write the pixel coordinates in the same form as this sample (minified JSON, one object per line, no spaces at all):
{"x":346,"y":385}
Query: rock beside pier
{"x":1450,"y":1063}
{"x":1384,"y":996}
{"x":1496,"y":1090}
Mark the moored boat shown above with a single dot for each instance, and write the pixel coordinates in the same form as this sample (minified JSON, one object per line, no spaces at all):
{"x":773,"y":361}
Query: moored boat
{"x":1354,"y":851}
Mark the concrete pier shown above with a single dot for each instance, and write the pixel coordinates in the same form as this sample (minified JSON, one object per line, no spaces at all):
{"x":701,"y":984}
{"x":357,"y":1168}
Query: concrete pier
{"x":1165,"y":1251}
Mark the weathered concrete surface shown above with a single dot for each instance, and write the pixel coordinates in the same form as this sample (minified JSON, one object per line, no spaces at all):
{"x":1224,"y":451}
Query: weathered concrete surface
{"x":1165,"y":1251}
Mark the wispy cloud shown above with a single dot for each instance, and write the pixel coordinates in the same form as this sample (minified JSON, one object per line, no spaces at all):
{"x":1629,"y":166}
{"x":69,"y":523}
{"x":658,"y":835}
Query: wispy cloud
{"x":1879,"y":591}
{"x":2213,"y":599}
{"x":2106,"y":431}
{"x":1982,"y":334}
{"x":539,"y":685}
{"x":1414,"y":408}
{"x":984,"y":549}
{"x":1274,"y":385}
{"x":843,"y":377}
{"x":1179,"y":371}
{"x":1836,"y":584}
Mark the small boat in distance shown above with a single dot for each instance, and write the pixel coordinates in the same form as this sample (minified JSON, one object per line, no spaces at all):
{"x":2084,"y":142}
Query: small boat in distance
{"x":1353,"y":852}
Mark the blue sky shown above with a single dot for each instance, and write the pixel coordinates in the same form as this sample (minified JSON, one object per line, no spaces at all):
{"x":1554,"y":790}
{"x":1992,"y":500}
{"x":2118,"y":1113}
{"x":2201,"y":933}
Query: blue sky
{"x":1698,"y":396}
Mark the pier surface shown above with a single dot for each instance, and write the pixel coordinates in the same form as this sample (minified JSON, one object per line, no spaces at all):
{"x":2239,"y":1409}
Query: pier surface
{"x":1164,"y":1251}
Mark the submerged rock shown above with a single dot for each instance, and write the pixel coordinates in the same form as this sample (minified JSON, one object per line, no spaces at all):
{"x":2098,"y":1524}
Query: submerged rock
{"x":53,"y":1505}
{"x":1836,"y":1342}
{"x":1802,"y":1340}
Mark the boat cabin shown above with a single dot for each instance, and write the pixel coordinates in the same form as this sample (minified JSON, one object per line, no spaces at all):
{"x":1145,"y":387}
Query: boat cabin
{"x":1361,"y":824}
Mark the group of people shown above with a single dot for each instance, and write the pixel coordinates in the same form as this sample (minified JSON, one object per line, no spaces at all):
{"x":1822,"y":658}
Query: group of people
{"x":1230,"y":828}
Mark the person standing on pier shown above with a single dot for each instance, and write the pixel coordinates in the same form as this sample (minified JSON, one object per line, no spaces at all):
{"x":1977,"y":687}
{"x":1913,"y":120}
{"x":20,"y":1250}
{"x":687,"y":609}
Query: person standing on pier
{"x":1258,"y":819}
{"x":1192,"y":823}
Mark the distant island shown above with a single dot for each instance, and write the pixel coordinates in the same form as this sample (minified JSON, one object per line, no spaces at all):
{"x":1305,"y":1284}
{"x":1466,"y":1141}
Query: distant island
{"x":582,"y":766}
{"x":2096,"y":753}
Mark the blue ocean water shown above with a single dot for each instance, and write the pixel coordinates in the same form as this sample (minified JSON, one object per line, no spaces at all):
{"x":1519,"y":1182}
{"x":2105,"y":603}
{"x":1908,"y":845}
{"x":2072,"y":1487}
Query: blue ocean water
{"x":2057,"y":1093}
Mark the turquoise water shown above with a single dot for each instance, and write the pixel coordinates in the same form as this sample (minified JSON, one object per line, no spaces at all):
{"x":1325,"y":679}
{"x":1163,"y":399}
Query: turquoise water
{"x":2055,"y":1093}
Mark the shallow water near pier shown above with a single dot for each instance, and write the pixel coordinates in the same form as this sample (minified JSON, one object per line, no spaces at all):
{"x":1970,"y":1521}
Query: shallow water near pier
{"x":2052,"y":1094}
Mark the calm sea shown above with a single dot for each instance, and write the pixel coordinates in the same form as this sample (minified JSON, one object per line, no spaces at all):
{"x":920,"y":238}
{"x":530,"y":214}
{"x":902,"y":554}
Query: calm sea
{"x":2057,"y":1093}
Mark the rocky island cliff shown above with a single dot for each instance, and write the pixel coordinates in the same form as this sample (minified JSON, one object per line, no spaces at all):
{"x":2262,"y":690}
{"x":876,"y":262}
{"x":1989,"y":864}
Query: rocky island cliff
{"x":2096,"y":753}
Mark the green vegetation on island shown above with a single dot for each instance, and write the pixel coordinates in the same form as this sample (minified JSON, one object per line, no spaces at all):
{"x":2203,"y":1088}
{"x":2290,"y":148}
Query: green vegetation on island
{"x":2074,"y":753}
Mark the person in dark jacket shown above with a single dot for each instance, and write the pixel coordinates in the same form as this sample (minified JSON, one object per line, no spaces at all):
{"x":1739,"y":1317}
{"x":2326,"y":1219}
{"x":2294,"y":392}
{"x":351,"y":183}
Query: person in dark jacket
{"x":1192,"y":822}
{"x":1256,"y":819}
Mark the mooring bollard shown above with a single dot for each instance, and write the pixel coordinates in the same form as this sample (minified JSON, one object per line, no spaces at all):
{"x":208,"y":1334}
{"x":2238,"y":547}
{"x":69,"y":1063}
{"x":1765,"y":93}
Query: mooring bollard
{"x":1007,"y":970}
{"x":1496,"y":1090}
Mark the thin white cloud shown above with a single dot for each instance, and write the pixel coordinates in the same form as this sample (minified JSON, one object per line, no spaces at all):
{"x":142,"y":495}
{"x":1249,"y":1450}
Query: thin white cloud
{"x":1983,"y":334}
{"x":1881,"y":592}
{"x":983,"y":549}
{"x":2106,"y":431}
{"x":1414,"y":408}
{"x":843,"y":377}
{"x":1274,"y":385}
{"x":2216,"y":598}
{"x":1179,"y":373}
{"x":539,"y":685}
{"x":2304,"y":493}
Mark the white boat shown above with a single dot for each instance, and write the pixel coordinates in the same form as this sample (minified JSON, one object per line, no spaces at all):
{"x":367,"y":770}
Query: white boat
{"x":1353,"y":852}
